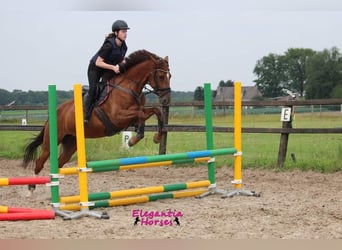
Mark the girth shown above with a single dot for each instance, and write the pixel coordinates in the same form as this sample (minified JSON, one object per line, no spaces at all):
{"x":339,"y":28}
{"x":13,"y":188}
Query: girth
{"x":110,"y":128}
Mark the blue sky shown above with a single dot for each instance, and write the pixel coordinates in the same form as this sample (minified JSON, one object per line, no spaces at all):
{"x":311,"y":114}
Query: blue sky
{"x":51,"y":42}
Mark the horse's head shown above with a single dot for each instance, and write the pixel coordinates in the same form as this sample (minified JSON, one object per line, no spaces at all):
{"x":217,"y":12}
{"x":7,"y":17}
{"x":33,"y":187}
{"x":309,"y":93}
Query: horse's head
{"x":144,"y":67}
{"x":159,"y":80}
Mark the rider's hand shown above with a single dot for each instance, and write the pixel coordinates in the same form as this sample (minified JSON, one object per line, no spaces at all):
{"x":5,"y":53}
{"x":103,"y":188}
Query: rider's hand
{"x":116,"y":69}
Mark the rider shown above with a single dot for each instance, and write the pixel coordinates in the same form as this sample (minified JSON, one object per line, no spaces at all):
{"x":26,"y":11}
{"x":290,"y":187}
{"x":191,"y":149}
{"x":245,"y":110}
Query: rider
{"x":105,"y":62}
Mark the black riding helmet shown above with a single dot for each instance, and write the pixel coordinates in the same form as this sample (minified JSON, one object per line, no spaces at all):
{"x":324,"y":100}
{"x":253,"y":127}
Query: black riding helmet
{"x":119,"y":25}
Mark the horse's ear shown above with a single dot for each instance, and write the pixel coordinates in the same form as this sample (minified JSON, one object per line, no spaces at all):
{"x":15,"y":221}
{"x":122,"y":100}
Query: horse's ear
{"x":166,"y":58}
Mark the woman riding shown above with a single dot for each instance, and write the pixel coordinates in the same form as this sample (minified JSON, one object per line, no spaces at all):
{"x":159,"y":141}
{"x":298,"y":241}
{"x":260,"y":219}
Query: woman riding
{"x":105,"y":62}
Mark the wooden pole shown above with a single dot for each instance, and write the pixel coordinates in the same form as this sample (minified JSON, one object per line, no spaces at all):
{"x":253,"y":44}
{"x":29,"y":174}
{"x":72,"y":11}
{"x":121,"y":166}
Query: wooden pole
{"x":163,"y":142}
{"x":284,"y":138}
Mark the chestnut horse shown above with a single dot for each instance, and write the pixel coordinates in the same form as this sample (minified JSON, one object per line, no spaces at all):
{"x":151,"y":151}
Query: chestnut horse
{"x":123,"y":107}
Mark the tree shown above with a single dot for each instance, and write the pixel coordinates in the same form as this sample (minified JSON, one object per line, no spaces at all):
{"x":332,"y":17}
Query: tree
{"x":337,"y":91}
{"x":5,"y":97}
{"x":199,"y":94}
{"x":271,"y":76}
{"x":324,"y":72}
{"x":228,"y":83}
{"x":222,"y":84}
{"x":295,"y":61}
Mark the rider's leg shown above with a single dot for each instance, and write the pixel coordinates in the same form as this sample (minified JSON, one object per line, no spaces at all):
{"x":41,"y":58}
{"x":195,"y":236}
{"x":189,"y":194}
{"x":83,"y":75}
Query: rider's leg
{"x":88,"y":105}
{"x":94,"y":75}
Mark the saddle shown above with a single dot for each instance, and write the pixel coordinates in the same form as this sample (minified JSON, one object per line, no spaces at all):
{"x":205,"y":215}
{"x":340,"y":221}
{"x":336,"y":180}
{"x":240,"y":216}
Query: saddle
{"x":102,"y":92}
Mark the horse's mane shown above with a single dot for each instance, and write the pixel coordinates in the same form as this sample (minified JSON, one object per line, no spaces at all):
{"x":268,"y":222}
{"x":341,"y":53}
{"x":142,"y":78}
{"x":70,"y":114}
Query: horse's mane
{"x":139,"y":56}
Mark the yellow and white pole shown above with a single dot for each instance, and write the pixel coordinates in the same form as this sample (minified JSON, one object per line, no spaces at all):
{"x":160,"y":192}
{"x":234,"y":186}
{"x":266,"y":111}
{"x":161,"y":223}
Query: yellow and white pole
{"x":81,"y":154}
{"x":237,"y":136}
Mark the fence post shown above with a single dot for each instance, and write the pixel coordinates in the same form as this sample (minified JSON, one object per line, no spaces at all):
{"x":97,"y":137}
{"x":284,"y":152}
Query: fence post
{"x":284,"y":138}
{"x":163,"y":142}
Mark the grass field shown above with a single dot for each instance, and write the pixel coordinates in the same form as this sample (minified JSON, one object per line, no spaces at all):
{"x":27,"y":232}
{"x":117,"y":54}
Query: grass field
{"x":318,"y":152}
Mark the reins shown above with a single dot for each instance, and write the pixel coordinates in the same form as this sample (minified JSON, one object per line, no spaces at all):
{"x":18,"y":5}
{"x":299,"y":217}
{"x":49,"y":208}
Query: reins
{"x":160,"y":92}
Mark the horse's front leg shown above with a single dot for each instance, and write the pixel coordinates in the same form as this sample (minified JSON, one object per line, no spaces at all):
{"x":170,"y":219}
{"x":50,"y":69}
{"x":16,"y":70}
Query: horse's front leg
{"x":140,"y":134}
{"x":161,"y":128}
{"x":132,"y":117}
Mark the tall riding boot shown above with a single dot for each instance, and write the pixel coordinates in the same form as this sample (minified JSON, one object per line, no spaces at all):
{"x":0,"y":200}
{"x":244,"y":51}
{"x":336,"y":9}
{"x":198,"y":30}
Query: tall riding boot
{"x":88,"y":106}
{"x":87,"y":110}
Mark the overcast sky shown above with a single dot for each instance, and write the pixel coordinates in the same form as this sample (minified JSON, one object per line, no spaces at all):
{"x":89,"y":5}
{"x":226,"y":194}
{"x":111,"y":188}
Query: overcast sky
{"x":50,"y":42}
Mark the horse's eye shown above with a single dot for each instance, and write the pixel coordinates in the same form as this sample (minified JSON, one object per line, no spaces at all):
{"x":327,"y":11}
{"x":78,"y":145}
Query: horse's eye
{"x":161,"y":77}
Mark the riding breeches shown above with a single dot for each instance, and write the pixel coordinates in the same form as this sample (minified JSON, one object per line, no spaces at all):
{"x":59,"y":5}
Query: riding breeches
{"x":94,"y":76}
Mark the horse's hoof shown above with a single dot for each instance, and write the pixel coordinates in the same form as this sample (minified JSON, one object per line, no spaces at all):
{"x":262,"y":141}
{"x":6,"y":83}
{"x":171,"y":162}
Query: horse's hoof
{"x":156,"y":138}
{"x":131,"y":143}
{"x":30,"y":189}
{"x":105,"y":216}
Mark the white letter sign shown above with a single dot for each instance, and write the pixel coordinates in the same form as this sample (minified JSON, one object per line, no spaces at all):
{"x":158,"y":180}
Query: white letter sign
{"x":285,"y":114}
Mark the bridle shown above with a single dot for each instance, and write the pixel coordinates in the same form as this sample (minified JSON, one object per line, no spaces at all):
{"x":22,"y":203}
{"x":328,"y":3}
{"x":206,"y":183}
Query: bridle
{"x":160,"y":92}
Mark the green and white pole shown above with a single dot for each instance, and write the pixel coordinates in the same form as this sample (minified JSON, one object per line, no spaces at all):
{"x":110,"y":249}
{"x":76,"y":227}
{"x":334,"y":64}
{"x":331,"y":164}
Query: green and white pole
{"x":54,"y":184}
{"x":209,"y":130}
{"x":53,"y":145}
{"x":210,"y":141}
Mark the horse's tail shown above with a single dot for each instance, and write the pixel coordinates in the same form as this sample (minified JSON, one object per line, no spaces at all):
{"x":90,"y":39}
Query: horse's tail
{"x":31,"y":149}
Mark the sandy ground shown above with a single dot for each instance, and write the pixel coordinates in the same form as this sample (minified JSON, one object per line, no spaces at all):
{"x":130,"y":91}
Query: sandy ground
{"x":293,"y":205}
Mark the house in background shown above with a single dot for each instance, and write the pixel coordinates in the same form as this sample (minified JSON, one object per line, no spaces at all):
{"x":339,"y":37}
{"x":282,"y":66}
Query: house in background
{"x":249,"y":93}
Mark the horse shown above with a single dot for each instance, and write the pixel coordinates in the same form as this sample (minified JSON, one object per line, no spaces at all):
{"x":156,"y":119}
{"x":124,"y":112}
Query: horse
{"x":124,"y":106}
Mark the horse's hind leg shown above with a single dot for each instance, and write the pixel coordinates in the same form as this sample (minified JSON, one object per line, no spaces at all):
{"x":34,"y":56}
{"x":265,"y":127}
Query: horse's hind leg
{"x":45,"y":153}
{"x":39,"y":166}
{"x":68,"y":148}
{"x":42,"y":159}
